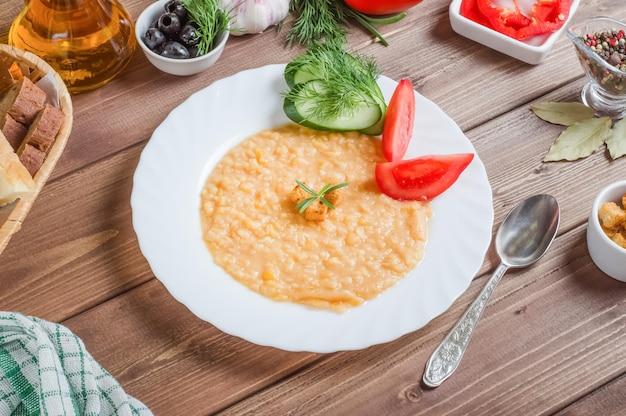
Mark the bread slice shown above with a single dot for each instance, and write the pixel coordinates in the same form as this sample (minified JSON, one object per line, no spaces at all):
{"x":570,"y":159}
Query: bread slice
{"x":44,"y":128}
{"x":23,"y":101}
{"x":13,"y":131}
{"x":15,"y":180}
{"x":31,"y":157}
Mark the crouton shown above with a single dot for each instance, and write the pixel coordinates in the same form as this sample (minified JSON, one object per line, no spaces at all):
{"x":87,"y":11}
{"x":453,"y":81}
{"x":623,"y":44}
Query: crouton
{"x":611,"y":215}
{"x":620,"y":239}
{"x":613,"y":221}
{"x":298,"y":194}
{"x":316,"y":211}
{"x":334,"y":197}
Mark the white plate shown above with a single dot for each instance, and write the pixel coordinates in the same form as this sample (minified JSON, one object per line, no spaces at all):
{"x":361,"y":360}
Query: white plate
{"x":166,"y":216}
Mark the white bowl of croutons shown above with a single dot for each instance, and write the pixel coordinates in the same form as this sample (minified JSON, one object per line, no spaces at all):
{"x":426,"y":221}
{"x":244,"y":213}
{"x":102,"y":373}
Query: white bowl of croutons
{"x":606,"y":231}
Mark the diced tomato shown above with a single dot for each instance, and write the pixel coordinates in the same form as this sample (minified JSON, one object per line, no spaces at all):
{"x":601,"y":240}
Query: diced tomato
{"x":381,"y":7}
{"x":398,"y":124}
{"x":422,"y":178}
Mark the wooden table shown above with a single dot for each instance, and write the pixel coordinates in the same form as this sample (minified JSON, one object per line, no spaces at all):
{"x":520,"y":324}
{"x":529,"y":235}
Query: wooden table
{"x":552,"y":340}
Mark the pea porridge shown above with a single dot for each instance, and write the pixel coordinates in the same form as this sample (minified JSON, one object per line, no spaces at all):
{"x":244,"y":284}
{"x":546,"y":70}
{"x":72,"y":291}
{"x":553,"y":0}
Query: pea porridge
{"x":254,"y":231}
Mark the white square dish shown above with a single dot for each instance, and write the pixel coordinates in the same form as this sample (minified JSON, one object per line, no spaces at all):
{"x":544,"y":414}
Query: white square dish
{"x":532,"y":51}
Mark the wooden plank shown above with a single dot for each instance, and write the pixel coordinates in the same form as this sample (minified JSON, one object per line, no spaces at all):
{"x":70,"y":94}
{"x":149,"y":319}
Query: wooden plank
{"x":102,"y":126}
{"x":524,"y":358}
{"x":105,"y":176}
{"x":171,"y":360}
{"x":68,"y":214}
{"x":77,"y":247}
{"x":609,"y":400}
{"x":552,"y":337}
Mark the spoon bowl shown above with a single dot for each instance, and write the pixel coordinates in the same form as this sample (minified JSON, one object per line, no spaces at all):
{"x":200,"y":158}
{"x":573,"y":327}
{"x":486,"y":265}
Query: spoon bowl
{"x":527,"y":231}
{"x":523,"y":238}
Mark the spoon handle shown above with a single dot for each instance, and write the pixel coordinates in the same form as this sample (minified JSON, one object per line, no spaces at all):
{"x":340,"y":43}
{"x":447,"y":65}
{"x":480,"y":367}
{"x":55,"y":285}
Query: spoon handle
{"x":447,"y":356}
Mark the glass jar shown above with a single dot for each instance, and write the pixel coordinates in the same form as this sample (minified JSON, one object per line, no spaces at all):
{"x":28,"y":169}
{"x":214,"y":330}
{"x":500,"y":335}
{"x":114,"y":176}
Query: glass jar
{"x":88,"y":42}
{"x":600,"y":44}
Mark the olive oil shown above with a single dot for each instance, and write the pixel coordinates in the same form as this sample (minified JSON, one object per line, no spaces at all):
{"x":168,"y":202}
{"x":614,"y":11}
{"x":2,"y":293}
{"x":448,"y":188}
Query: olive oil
{"x":88,"y":42}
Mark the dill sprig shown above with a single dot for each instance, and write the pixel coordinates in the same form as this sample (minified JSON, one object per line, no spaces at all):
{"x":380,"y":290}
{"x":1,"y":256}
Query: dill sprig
{"x":317,"y":20}
{"x":211,"y":19}
{"x":304,"y":204}
{"x":345,"y":82}
{"x":326,"y":20}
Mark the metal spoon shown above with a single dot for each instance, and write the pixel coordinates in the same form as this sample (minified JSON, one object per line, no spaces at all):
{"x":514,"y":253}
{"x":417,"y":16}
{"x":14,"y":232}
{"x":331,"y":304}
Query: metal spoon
{"x":523,"y":238}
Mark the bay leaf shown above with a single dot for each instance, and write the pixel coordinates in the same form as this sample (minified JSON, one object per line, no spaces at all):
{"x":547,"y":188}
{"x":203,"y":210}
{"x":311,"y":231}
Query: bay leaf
{"x":616,"y":142}
{"x":580,"y":139}
{"x":564,"y":114}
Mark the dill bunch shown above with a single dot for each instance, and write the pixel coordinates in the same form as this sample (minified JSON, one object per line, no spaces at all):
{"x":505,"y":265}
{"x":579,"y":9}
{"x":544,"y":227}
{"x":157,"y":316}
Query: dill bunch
{"x":348,"y":81}
{"x":317,"y":20}
{"x":211,"y":19}
{"x":326,"y":20}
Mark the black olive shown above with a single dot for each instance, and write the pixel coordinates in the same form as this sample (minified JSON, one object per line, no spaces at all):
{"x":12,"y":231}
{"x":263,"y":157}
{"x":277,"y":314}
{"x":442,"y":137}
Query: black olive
{"x":173,"y":49}
{"x":169,"y":24}
{"x":189,"y":35}
{"x":154,"y":39}
{"x":176,"y":7}
{"x":194,"y":52}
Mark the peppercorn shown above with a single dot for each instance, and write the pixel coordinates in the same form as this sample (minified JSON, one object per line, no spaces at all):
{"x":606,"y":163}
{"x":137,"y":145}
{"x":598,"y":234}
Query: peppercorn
{"x":610,"y":46}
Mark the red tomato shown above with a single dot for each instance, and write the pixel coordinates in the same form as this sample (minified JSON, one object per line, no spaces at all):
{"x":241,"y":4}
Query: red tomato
{"x":381,"y":7}
{"x":398,"y":124}
{"x":422,"y":178}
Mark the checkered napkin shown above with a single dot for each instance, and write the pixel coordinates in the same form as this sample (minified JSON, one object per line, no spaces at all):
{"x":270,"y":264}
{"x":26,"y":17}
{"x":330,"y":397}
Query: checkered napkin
{"x":46,"y":370}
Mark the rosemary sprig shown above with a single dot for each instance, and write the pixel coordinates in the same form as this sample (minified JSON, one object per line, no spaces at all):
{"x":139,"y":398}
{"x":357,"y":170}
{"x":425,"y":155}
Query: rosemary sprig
{"x":211,"y":19}
{"x":304,"y":204}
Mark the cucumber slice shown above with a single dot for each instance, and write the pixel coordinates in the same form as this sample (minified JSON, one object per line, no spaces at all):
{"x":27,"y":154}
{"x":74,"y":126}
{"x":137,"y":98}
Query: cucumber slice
{"x":298,"y":74}
{"x":377,"y":128}
{"x":306,"y":102}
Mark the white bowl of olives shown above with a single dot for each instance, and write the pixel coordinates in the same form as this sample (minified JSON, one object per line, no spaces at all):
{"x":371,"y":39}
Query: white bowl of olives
{"x":178,"y":41}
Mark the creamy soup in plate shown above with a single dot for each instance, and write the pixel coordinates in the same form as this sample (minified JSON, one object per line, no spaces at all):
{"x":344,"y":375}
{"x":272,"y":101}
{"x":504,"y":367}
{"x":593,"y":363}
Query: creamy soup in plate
{"x":254,"y":231}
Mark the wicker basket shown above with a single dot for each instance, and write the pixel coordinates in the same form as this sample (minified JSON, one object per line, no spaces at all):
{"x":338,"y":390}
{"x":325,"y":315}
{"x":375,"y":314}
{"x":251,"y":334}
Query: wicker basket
{"x":27,"y":64}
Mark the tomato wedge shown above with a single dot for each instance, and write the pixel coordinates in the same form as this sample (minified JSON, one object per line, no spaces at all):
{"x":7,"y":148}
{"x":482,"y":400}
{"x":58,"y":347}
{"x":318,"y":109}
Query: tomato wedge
{"x":398,"y":124}
{"x":422,"y":178}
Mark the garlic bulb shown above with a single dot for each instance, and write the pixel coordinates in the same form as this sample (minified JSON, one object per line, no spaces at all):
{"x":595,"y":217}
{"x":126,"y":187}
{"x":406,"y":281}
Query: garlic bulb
{"x":254,"y":16}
